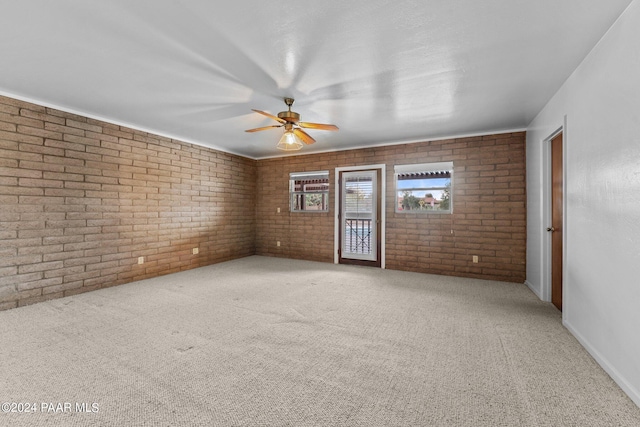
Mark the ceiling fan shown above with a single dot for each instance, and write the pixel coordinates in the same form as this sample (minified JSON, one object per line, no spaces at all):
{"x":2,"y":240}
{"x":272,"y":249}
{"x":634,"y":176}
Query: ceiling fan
{"x":293,"y":133}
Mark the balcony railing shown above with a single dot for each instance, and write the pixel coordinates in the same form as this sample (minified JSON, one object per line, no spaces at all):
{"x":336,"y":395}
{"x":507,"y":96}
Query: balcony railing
{"x":357,"y":236}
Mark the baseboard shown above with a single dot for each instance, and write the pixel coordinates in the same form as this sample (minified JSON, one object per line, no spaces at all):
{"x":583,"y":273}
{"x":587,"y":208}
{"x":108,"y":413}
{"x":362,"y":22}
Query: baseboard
{"x":629,"y":389}
{"x":534,"y":289}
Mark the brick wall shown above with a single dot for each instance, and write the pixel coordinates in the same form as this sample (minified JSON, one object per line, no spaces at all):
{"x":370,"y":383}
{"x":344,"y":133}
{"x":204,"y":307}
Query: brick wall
{"x":488,"y":220}
{"x":81,"y":200}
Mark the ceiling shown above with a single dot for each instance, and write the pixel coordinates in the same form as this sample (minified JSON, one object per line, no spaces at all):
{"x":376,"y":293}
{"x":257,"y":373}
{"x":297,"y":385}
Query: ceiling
{"x":384,"y":72}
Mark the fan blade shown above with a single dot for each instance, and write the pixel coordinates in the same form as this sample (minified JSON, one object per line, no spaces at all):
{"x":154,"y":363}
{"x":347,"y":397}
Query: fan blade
{"x":263,"y":128}
{"x":271,"y":116}
{"x":318,"y":126}
{"x":305,"y":137}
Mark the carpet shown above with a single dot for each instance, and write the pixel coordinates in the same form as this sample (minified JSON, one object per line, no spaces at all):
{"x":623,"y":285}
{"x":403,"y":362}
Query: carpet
{"x":264,"y":341}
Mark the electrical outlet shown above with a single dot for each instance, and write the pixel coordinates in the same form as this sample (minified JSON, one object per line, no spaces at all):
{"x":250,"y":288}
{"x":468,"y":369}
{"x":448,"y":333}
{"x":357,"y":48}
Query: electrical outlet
{"x":140,"y":260}
{"x":196,"y":251}
{"x":278,"y":243}
{"x":475,"y":259}
{"x":278,"y":210}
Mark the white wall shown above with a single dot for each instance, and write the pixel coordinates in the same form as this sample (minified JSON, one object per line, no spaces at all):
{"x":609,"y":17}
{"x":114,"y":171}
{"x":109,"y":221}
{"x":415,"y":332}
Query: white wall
{"x":601,"y":105}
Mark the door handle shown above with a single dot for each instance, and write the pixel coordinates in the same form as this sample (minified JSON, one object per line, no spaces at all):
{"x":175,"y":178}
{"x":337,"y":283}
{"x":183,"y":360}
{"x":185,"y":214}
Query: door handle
{"x":551,"y":229}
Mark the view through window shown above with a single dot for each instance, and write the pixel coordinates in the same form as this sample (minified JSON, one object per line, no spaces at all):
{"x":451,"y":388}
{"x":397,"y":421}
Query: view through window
{"x":309,"y":191}
{"x":424,"y":187}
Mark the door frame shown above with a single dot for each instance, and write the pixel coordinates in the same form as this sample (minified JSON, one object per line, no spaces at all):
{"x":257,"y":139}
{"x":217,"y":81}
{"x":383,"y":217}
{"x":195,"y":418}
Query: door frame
{"x":383,"y":216}
{"x":547,"y":216}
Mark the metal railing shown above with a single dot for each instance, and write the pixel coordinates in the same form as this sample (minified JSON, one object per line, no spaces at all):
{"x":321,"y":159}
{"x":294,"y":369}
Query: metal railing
{"x":357,"y":236}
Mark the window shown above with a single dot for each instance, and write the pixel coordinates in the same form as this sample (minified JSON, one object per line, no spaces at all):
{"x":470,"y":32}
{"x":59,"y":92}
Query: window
{"x":309,"y":191}
{"x":424,"y":187}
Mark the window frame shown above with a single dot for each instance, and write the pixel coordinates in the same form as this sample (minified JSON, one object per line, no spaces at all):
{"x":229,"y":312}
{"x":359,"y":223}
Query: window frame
{"x":296,"y":176}
{"x":424,"y":168}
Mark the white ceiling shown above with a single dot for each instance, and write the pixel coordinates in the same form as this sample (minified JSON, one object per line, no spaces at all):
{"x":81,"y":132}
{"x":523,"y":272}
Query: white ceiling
{"x":382,"y":71}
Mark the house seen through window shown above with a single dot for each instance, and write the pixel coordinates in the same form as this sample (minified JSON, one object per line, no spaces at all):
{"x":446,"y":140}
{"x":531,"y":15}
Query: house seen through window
{"x":309,"y":191}
{"x":424,"y":187}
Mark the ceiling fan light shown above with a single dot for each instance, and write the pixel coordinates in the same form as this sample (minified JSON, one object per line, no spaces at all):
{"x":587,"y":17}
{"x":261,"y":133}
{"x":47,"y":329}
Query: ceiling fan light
{"x":289,"y":142}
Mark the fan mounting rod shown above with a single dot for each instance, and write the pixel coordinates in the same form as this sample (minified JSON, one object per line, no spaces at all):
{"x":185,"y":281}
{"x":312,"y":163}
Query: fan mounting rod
{"x":289,"y":116}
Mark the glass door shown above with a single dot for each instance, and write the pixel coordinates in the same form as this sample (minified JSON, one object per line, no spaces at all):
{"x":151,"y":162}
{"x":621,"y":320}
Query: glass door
{"x":358,"y":216}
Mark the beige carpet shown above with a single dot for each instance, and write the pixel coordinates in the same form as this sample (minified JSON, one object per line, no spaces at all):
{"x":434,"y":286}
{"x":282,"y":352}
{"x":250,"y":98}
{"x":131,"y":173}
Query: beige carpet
{"x":275,"y":342}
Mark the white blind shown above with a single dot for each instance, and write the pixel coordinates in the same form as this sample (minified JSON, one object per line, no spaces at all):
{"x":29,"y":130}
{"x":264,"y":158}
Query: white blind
{"x":359,"y":194}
